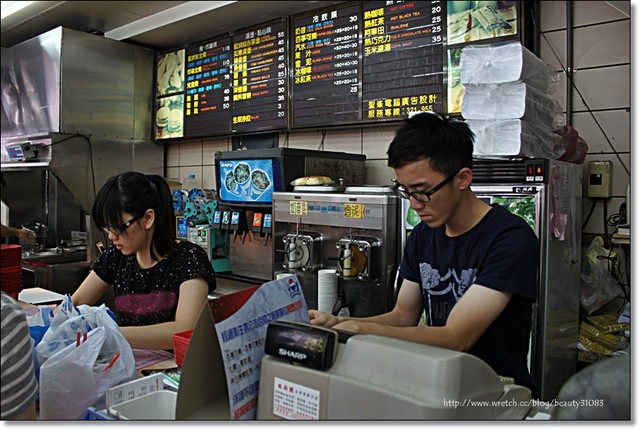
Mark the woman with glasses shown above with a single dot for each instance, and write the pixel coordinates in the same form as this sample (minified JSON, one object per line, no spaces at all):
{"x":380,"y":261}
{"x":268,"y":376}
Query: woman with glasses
{"x":471,"y":267}
{"x":160,"y":284}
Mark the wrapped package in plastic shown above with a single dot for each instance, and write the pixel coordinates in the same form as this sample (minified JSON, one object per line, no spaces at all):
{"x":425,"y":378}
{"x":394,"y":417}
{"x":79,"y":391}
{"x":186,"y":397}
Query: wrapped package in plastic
{"x":513,"y":138}
{"x":511,"y":100}
{"x":509,"y":62}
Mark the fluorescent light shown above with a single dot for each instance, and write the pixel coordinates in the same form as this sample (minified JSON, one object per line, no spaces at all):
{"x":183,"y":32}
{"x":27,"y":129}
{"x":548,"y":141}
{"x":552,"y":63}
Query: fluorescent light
{"x":165,"y":17}
{"x":11,"y":7}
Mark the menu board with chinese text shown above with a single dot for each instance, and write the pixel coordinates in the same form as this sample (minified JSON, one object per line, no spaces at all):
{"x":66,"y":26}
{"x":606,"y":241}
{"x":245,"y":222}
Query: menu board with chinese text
{"x":355,"y":63}
{"x":259,"y":78}
{"x":325,"y":69}
{"x":402,"y":58}
{"x":208,"y":94}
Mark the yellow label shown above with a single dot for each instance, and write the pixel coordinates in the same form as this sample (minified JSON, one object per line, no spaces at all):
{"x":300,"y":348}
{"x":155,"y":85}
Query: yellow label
{"x":297,"y":207}
{"x":353,"y":210}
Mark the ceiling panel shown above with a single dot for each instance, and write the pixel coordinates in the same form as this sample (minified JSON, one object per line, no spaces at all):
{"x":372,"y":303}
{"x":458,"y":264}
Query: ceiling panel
{"x":104,"y":16}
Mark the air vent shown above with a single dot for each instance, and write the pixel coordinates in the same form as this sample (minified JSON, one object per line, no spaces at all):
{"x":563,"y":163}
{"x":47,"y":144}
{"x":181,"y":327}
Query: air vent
{"x":504,"y":171}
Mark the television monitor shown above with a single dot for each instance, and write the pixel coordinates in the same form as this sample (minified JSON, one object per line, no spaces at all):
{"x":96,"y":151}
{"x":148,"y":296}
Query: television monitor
{"x":248,"y":182}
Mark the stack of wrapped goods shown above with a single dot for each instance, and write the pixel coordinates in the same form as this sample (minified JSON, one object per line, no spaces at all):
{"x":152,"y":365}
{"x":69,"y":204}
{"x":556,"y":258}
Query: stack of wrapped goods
{"x":11,"y":258}
{"x":601,"y":336}
{"x":507,"y":102}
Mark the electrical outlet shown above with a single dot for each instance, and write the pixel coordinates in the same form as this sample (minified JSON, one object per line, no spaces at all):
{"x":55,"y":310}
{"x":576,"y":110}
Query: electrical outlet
{"x":599,"y":180}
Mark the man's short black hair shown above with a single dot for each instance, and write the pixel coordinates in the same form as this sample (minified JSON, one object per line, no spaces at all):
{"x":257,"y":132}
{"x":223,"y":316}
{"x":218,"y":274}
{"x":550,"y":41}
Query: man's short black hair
{"x":446,"y":142}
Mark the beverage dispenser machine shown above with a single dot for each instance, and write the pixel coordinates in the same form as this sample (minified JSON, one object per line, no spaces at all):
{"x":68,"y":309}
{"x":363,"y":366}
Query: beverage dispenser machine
{"x":353,"y":230}
{"x":246,"y":181}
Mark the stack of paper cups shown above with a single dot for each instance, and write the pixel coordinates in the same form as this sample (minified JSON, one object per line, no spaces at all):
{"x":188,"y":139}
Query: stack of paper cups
{"x":327,"y":289}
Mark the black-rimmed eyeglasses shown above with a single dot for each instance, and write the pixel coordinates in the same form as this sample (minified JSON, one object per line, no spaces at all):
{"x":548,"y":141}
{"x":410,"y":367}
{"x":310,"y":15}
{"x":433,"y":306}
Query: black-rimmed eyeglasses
{"x":119,"y":230}
{"x":422,"y":196}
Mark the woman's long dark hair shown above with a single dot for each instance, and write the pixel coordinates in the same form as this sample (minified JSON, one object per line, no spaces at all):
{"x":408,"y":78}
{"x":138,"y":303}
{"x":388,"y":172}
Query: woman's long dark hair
{"x":135,"y":193}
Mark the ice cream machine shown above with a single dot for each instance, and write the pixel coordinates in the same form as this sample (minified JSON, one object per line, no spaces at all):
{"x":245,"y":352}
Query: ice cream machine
{"x":351,"y":229}
{"x":246,"y":181}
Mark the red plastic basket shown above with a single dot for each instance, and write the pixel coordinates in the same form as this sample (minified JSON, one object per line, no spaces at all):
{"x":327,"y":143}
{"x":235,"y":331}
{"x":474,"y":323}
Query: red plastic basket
{"x":180,"y":345}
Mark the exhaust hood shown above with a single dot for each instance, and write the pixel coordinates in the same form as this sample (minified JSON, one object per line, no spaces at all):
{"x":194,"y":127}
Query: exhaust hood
{"x":69,"y":82}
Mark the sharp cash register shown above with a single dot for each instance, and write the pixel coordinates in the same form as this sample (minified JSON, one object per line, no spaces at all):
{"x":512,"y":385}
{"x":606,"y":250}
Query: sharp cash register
{"x":314,"y":373}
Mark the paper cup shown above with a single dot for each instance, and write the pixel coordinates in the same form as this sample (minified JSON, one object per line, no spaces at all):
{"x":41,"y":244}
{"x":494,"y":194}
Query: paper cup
{"x":283,"y":275}
{"x":327,"y":289}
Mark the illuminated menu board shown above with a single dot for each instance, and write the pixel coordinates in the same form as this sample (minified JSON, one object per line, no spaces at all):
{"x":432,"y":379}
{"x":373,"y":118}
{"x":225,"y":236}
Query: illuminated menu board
{"x":402,"y":58}
{"x":259,"y":79}
{"x":356,"y":63}
{"x":325,"y":69}
{"x":208,"y":88}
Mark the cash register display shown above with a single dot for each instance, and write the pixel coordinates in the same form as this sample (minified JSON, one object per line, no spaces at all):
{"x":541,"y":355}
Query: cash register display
{"x":310,"y":345}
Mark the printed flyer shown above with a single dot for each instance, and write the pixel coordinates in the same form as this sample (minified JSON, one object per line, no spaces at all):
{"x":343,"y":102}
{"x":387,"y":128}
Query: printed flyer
{"x":241,"y":327}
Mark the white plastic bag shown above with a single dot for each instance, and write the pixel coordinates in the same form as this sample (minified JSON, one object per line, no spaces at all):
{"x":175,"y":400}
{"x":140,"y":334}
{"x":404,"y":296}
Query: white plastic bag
{"x":77,"y":370}
{"x":597,"y":285}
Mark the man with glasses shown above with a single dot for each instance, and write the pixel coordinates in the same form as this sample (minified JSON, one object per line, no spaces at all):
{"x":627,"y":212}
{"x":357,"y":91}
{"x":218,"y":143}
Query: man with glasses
{"x":471,"y":267}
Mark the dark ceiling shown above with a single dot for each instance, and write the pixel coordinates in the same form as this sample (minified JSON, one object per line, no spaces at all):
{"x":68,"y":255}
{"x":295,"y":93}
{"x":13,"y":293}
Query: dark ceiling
{"x":149,"y":23}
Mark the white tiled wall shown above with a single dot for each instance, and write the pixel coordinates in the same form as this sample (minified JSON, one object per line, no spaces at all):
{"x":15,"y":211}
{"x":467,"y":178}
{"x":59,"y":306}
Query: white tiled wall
{"x":601,"y":94}
{"x":602,"y":77}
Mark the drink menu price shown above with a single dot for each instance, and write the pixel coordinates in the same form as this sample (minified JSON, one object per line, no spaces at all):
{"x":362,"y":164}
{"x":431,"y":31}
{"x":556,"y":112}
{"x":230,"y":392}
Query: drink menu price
{"x":402,"y":58}
{"x":259,"y":75}
{"x":326,"y":60}
{"x":208,"y":94}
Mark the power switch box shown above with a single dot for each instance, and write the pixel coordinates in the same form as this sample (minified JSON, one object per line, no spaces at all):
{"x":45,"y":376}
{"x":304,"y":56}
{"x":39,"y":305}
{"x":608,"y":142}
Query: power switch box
{"x":599,"y":179}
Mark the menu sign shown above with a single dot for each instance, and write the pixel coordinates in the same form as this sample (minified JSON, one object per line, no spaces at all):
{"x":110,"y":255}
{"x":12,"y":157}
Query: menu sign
{"x":208,"y":95}
{"x":326,"y":61}
{"x":259,"y":76}
{"x":359,"y":62}
{"x":402,"y":58}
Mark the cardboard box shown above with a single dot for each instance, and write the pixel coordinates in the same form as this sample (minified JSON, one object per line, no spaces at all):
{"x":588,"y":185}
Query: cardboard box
{"x":159,"y":405}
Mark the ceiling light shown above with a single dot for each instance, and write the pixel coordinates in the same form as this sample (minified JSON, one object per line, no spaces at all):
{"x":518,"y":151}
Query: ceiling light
{"x":165,"y":17}
{"x":11,"y":7}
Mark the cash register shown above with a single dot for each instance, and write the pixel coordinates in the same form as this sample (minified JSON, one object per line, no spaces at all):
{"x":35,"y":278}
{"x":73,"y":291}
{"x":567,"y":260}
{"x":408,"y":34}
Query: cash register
{"x":313,"y":373}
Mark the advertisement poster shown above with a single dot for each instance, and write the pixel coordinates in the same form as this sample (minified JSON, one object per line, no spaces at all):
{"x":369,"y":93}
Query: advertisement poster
{"x":169,"y":117}
{"x":242,"y":331}
{"x":455,"y":89}
{"x":471,"y":21}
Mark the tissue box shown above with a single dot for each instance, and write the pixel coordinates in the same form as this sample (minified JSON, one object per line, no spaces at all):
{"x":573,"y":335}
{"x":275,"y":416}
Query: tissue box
{"x":510,"y":100}
{"x":510,"y":62}
{"x":514,"y":138}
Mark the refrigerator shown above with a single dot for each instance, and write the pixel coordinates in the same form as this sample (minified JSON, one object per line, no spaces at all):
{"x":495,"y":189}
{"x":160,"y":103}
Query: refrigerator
{"x":547,"y":194}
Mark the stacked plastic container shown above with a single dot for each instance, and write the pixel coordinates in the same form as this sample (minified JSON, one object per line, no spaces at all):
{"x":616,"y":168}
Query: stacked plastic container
{"x":507,"y":102}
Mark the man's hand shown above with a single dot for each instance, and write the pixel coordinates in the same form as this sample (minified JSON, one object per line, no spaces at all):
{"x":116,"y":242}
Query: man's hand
{"x":323,"y":318}
{"x":26,"y":235}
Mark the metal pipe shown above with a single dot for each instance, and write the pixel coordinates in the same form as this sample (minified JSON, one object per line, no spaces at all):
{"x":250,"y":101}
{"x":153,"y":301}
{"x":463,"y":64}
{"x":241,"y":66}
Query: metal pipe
{"x":569,"y":20}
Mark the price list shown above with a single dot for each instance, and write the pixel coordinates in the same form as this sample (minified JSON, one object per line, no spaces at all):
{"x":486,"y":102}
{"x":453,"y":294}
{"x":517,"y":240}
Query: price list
{"x":207,"y":106}
{"x":325,"y":69}
{"x":403,"y":59}
{"x":259,"y":78}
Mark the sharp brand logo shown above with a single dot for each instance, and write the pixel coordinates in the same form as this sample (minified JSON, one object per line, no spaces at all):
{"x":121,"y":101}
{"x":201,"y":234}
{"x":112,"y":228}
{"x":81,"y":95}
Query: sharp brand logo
{"x":292,"y":354}
{"x":226,"y":164}
{"x":294,"y":289}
